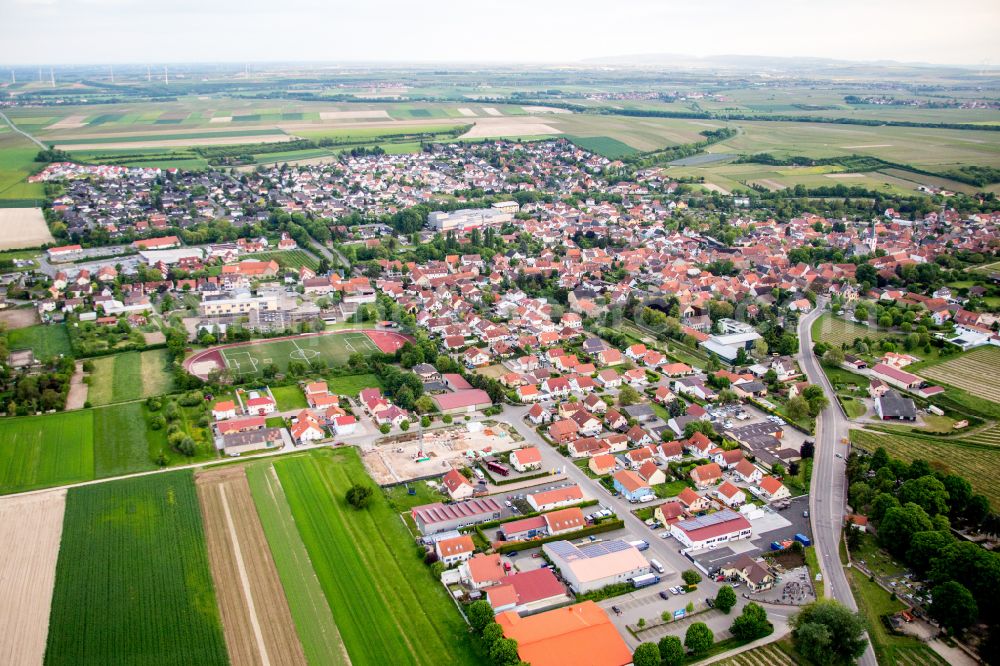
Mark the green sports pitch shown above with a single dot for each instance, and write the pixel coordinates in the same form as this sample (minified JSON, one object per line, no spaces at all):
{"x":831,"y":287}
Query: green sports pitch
{"x":251,"y":359}
{"x":334,"y":349}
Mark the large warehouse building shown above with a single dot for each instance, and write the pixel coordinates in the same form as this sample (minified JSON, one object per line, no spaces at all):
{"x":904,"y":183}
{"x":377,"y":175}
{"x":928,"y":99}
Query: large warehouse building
{"x":595,"y":565}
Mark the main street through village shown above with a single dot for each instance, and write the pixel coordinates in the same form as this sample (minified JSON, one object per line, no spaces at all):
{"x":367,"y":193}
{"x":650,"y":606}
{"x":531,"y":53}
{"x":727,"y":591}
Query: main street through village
{"x":828,"y":489}
{"x":646,"y":603}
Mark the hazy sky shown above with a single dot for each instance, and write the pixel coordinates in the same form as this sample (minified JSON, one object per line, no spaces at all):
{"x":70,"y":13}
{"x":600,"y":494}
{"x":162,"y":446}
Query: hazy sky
{"x":99,"y":31}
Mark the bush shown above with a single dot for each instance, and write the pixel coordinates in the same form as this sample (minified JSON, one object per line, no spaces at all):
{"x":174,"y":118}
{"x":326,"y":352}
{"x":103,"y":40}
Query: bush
{"x":751,"y":623}
{"x":359,"y":496}
{"x":647,"y":654}
{"x":699,"y":638}
{"x":480,"y":614}
{"x":691,"y":577}
{"x":447,"y":418}
{"x":725,"y":599}
{"x":384,"y":428}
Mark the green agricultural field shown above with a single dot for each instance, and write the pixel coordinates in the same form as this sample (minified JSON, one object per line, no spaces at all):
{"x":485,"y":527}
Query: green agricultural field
{"x":401,"y":603}
{"x":46,"y":340}
{"x":976,"y":372}
{"x":17,"y":162}
{"x":167,"y":135}
{"x":838,"y":331}
{"x":934,"y":149}
{"x":129,"y":376}
{"x":133,"y":584}
{"x":643,"y":134}
{"x":122,"y":441}
{"x":604,"y":145}
{"x":334,"y":349}
{"x":352,"y":384}
{"x":314,"y":623}
{"x":976,"y":462}
{"x":42,"y":451}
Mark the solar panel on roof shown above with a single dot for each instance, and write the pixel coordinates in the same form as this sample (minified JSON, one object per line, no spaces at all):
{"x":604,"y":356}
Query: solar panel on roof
{"x":707,"y":521}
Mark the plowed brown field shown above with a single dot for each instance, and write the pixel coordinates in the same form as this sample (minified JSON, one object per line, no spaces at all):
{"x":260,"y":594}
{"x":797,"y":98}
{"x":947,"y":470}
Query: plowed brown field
{"x":30,"y":528}
{"x":255,"y":617}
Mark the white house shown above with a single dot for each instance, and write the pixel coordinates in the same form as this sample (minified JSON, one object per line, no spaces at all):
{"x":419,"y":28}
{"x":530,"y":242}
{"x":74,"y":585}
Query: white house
{"x":526,"y":459}
{"x":731,"y":495}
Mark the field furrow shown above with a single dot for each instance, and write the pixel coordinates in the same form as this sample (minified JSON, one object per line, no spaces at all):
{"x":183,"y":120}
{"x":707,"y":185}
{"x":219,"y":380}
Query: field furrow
{"x":256,"y":619}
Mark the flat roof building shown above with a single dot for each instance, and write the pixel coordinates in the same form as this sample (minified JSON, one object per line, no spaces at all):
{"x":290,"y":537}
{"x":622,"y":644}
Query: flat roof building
{"x":438,"y":517}
{"x":591,"y":566}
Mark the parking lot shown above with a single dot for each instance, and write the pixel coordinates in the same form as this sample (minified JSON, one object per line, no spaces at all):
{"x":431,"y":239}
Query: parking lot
{"x":770,"y":527}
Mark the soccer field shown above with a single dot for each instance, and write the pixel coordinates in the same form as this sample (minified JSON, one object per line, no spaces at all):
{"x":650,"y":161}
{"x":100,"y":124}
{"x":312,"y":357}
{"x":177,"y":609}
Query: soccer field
{"x":334,"y":349}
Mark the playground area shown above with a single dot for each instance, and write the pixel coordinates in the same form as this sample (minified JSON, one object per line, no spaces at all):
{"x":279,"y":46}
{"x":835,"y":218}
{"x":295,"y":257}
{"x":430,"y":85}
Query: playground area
{"x":409,"y":456}
{"x":335,"y":348}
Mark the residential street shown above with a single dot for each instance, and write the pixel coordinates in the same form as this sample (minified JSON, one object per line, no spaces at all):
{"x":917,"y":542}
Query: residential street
{"x":827,"y":496}
{"x":646,"y":602}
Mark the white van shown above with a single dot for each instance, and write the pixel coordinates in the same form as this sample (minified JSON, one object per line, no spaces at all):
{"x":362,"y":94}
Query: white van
{"x":656,"y":566}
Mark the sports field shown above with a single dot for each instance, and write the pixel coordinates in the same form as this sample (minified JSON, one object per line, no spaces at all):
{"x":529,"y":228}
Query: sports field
{"x":402,"y":604}
{"x":977,"y":372}
{"x":333,"y":348}
{"x":132,"y":583}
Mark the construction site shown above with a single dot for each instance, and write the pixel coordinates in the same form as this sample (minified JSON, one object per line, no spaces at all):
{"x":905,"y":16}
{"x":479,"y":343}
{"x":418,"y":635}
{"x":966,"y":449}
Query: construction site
{"x":422,"y":454}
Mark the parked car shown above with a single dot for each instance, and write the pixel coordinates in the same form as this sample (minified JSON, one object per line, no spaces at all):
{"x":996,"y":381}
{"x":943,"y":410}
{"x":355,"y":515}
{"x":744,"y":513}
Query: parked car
{"x":664,"y":594}
{"x":710,"y":602}
{"x":617,"y":611}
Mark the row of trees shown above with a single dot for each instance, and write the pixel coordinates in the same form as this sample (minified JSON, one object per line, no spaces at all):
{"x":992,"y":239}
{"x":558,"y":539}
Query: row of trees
{"x":750,"y":624}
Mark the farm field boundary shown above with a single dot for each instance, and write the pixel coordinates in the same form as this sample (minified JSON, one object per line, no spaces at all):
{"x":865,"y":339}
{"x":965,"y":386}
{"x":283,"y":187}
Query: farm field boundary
{"x":320,"y":638}
{"x":30,"y":528}
{"x":413,"y":617}
{"x":133,"y":581}
{"x":256,"y":620}
{"x":976,"y":371}
{"x":976,"y":462}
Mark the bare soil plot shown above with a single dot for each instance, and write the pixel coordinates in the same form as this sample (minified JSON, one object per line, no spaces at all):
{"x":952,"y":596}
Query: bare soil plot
{"x":402,"y":458}
{"x":490,"y":111}
{"x":545,"y":109}
{"x":510,"y":126}
{"x":18,"y":318}
{"x":844,"y":175}
{"x":221,"y":119}
{"x":23,"y":227}
{"x":349,"y":115}
{"x":69,"y":122}
{"x":256,"y":620}
{"x":30,"y":529}
{"x":467,"y":112}
{"x":715,"y":188}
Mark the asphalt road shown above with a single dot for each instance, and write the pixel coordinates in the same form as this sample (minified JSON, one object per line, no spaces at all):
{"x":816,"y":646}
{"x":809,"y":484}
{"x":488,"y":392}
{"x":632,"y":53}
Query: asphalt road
{"x":827,"y":495}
